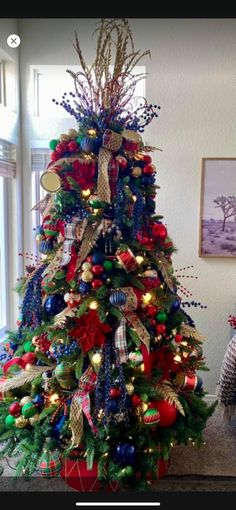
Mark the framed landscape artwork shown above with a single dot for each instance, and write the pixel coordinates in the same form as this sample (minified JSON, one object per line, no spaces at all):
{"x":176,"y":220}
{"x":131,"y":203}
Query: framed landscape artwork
{"x":218,"y":208}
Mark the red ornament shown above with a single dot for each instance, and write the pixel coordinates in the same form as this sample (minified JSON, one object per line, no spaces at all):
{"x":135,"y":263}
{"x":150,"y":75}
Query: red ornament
{"x":149,"y":169}
{"x":178,"y":338}
{"x":61,"y":148}
{"x":152,"y":322}
{"x":96,"y":283}
{"x":144,"y":239}
{"x":159,"y":231}
{"x":151,"y":310}
{"x":76,"y":474}
{"x":114,"y":392}
{"x":135,"y":400}
{"x":161,"y":329}
{"x":122,"y":161}
{"x":55,"y":156}
{"x":168,"y":412}
{"x":89,"y":259}
{"x":73,"y":146}
{"x":15,"y":409}
{"x":97,"y":269}
{"x":89,"y":331}
{"x":29,"y":357}
{"x":146,"y":158}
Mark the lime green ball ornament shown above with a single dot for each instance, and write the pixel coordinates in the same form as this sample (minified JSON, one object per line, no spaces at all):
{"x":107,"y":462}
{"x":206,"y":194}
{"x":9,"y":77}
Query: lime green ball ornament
{"x":10,"y":421}
{"x":28,"y":347}
{"x":161,"y":316}
{"x":108,"y":266}
{"x":53,"y":144}
{"x":29,"y":410}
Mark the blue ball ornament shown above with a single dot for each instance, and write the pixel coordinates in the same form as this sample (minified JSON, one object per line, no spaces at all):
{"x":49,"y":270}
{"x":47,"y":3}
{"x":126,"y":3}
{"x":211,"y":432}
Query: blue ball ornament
{"x":13,"y":346}
{"x":117,"y":298}
{"x":84,"y":288}
{"x":124,"y":454}
{"x":38,"y":400}
{"x":54,"y":304}
{"x":175,"y":305}
{"x":147,"y":180}
{"x":98,"y":258}
{"x":113,"y":405}
{"x":199,"y":384}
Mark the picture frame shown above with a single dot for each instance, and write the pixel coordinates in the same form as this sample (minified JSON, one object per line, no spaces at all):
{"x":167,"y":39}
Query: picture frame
{"x":217,"y":236}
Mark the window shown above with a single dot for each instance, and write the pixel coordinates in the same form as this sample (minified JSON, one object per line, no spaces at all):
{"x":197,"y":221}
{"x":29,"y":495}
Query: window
{"x":8,"y":84}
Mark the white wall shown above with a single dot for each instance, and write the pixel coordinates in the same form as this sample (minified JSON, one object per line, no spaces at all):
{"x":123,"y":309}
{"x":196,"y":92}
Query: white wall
{"x":192,"y":76}
{"x":10,"y":130}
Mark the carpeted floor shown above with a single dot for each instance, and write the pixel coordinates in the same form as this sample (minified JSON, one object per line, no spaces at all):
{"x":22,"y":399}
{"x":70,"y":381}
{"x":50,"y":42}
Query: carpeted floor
{"x":212,"y":468}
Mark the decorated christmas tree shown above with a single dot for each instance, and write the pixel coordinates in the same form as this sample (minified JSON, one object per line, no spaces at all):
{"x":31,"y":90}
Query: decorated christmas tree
{"x":102,"y":370}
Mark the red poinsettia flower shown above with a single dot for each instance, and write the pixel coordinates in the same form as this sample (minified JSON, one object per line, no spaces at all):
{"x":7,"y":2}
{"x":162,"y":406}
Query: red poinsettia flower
{"x":89,"y":331}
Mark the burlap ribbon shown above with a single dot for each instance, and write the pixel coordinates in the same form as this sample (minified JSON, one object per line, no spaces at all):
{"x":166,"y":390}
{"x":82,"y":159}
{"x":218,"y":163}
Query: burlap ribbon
{"x":81,"y":404}
{"x":131,"y":317}
{"x":111,"y":143}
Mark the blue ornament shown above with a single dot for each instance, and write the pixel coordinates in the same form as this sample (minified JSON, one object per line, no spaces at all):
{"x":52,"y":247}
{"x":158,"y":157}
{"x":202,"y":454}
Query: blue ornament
{"x":89,"y":144}
{"x":124,"y":454}
{"x":150,"y":205}
{"x":13,"y":346}
{"x":113,"y":405}
{"x":46,"y":246}
{"x":199,"y":384}
{"x":98,"y":258}
{"x":117,"y":298}
{"x":84,"y":288}
{"x":38,"y":400}
{"x":127,"y":401}
{"x":175,"y":306}
{"x":54,"y":304}
{"x":147,"y":180}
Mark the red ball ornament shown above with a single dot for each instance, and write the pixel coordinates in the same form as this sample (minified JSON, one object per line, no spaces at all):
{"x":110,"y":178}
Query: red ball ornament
{"x":96,"y":283}
{"x":73,"y":146}
{"x":61,"y":148}
{"x":178,"y":338}
{"x":149,"y":169}
{"x":15,"y":409}
{"x":161,"y":329}
{"x":152,"y":322}
{"x":55,"y":156}
{"x":114,"y":392}
{"x":151,"y":310}
{"x":159,"y":231}
{"x":168,"y":412}
{"x":97,"y":269}
{"x":89,"y":259}
{"x":136,"y":400}
{"x":146,"y":158}
{"x":29,"y":357}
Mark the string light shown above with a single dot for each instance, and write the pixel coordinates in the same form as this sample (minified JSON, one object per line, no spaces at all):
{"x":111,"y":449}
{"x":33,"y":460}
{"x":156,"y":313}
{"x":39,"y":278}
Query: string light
{"x":92,"y":132}
{"x":147,"y":298}
{"x":177,"y":358}
{"x":93,"y":305}
{"x":139,"y":259}
{"x":184,"y":343}
{"x":97,"y":358}
{"x":54,"y":398}
{"x":86,"y":193}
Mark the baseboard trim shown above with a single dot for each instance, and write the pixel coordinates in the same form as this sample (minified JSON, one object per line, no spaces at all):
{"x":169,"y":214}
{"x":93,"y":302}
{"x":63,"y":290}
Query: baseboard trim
{"x":210,"y":398}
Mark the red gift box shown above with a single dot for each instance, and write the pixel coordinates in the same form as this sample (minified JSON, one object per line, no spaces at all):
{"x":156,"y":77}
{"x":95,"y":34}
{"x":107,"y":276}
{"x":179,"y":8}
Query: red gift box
{"x":76,"y":474}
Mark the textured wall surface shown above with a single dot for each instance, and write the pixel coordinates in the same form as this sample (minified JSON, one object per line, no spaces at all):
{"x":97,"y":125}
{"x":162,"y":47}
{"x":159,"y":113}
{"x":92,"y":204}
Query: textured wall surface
{"x":192,"y":76}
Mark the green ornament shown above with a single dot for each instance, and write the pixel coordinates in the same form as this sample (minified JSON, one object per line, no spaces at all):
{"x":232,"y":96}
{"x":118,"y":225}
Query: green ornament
{"x":63,"y":374}
{"x":60,"y":275}
{"x":108,"y":266}
{"x":29,"y":410}
{"x":66,"y":201}
{"x":138,"y":182}
{"x":151,"y":417}
{"x":161,"y":316}
{"x":10,"y":421}
{"x":95,"y":203}
{"x":144,"y":397}
{"x":28,"y":347}
{"x":79,"y":138}
{"x":53,"y":144}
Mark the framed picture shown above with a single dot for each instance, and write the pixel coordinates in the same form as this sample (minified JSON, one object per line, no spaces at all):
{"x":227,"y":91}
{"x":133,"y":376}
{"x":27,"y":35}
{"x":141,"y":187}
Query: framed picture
{"x":218,"y":208}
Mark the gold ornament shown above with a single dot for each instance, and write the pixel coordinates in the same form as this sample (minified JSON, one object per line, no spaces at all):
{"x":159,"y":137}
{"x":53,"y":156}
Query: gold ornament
{"x":50,"y":181}
{"x":130,"y":388}
{"x":87,"y":276}
{"x":25,"y":400}
{"x":21,"y":422}
{"x":64,"y":137}
{"x":34,"y":419}
{"x":136,"y":171}
{"x":86,"y":266}
{"x":72,"y":133}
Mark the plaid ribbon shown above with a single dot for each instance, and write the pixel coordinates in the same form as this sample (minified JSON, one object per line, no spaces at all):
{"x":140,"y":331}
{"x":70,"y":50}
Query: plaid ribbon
{"x":132,"y":318}
{"x":81,"y":404}
{"x":120,"y":341}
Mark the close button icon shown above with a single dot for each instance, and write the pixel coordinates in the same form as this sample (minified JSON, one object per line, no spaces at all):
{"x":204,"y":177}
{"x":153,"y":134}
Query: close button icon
{"x":13,"y":41}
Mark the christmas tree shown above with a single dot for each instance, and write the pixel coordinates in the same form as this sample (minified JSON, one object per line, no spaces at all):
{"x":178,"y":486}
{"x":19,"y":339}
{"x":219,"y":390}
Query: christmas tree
{"x":103,"y":366}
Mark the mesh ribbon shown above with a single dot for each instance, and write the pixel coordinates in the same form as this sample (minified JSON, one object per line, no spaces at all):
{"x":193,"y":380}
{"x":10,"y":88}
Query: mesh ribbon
{"x":111,"y":143}
{"x":81,"y":404}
